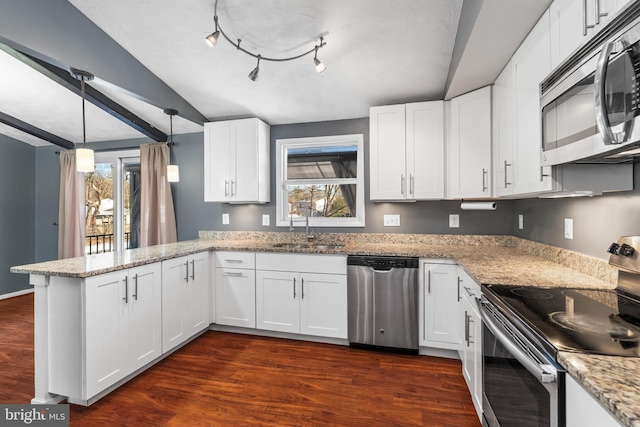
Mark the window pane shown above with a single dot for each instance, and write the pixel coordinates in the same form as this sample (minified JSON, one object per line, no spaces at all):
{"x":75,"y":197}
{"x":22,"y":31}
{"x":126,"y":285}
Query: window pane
{"x":99,"y":209}
{"x":322,"y":162}
{"x":326,"y":201}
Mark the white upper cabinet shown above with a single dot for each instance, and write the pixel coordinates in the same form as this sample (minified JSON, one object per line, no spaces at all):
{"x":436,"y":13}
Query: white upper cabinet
{"x":575,"y":21}
{"x":517,"y":128}
{"x":236,"y":161}
{"x":469,"y":145}
{"x":407,"y":151}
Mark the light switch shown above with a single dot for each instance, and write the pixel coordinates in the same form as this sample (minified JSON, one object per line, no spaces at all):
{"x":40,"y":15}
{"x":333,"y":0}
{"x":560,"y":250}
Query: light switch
{"x":568,"y":228}
{"x":266,"y":220}
{"x":454,"y":221}
{"x":521,"y":221}
{"x":225,"y":219}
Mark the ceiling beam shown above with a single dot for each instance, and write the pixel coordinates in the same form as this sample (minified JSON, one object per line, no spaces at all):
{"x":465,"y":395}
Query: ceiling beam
{"x":35,"y":131}
{"x":64,"y":78}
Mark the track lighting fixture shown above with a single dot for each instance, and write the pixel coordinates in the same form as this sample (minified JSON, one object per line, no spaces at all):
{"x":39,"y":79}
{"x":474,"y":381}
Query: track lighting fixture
{"x":84,"y":156}
{"x":253,"y":75}
{"x":173,"y":172}
{"x":212,"y":40}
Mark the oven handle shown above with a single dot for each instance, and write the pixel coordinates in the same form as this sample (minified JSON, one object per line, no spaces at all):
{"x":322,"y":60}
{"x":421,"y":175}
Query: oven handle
{"x":532,"y":366}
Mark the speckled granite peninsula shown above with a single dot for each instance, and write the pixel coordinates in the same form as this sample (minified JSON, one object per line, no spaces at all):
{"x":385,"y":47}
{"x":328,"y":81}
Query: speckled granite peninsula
{"x":488,"y":259}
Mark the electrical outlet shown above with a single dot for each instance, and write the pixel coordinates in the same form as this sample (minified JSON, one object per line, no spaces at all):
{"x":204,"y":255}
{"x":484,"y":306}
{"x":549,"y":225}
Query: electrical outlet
{"x":568,"y":228}
{"x":266,"y":219}
{"x":521,"y":221}
{"x":392,"y":220}
{"x":225,"y":219}
{"x":454,"y":221}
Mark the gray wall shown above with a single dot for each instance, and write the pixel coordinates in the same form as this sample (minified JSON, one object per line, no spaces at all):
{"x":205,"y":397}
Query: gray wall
{"x":194,"y":214}
{"x":597,"y":221}
{"x":17,"y":213}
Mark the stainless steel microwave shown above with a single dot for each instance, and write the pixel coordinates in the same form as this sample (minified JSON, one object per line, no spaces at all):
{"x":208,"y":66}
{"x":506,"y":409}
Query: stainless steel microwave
{"x":591,"y":103}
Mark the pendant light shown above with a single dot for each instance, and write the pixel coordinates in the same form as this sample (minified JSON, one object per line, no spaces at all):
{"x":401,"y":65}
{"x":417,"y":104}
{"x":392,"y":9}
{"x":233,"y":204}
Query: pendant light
{"x":173,"y":173}
{"x":84,"y":156}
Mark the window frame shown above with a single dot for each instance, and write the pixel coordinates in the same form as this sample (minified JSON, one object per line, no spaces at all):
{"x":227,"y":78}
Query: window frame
{"x":282,"y":145}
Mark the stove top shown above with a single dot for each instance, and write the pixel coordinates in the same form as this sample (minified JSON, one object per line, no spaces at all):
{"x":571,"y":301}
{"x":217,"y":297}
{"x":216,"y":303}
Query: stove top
{"x":576,"y":320}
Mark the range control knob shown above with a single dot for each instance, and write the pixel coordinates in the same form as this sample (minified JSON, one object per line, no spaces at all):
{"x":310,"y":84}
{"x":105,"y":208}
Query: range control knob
{"x":626,"y":250}
{"x":613,"y":249}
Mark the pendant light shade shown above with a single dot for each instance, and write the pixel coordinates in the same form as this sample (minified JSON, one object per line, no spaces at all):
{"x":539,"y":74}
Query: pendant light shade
{"x":84,"y":156}
{"x":173,"y":172}
{"x":84,"y":160}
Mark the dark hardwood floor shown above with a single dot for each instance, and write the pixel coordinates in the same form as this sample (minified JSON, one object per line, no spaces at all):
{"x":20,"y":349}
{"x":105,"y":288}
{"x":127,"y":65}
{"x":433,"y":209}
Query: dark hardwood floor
{"x":235,"y":380}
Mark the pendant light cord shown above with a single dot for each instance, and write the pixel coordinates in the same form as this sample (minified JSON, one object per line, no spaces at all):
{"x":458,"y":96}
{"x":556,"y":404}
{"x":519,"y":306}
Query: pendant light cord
{"x":84,"y":130}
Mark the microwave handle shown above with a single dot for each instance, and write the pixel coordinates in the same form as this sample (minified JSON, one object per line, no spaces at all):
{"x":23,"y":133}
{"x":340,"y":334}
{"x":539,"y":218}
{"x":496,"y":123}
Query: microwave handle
{"x":602,"y":117}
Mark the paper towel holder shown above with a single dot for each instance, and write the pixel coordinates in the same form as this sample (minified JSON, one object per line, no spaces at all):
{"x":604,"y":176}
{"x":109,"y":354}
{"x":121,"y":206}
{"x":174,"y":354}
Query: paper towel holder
{"x":478,"y":206}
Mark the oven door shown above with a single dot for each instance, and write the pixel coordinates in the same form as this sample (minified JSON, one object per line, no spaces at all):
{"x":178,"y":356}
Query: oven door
{"x":521,"y":387}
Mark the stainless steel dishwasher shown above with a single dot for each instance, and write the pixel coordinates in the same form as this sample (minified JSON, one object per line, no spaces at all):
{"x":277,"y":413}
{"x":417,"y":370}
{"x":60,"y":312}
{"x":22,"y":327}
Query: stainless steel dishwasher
{"x":382,"y":295}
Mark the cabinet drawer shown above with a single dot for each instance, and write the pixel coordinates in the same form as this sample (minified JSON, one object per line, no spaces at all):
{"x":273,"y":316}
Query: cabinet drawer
{"x":304,"y":263}
{"x":236,"y":259}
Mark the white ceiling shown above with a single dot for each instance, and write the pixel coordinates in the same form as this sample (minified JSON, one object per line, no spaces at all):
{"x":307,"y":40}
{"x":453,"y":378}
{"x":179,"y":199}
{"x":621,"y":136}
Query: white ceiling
{"x":378,"y":52}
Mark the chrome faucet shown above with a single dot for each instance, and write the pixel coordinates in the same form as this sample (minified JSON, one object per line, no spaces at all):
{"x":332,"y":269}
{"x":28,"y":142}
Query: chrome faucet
{"x":310,"y":238}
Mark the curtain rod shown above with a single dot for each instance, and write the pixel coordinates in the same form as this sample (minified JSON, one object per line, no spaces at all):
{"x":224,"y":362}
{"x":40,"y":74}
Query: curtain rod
{"x":170,"y":144}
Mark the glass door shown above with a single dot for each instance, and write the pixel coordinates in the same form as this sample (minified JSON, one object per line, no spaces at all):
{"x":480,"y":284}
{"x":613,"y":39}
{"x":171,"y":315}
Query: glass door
{"x":112,"y":200}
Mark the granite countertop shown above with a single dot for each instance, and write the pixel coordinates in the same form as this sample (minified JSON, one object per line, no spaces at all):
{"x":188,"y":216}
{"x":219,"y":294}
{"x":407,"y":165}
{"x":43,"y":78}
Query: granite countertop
{"x":488,"y":259}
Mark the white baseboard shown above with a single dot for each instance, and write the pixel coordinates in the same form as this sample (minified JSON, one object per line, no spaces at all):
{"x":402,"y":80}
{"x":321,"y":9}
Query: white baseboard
{"x":16,"y":293}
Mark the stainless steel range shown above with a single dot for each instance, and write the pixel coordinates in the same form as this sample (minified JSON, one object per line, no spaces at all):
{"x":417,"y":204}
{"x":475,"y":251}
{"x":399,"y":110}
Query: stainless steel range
{"x":525,"y":328}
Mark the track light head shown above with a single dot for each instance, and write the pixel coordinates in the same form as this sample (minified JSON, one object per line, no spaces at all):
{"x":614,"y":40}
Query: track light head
{"x":253,"y":75}
{"x":320,"y":67}
{"x":212,"y":38}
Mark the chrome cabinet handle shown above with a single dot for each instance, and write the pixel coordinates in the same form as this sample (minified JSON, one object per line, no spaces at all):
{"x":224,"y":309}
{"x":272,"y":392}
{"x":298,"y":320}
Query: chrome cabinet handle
{"x":226,"y":188}
{"x":238,"y":261}
{"x":233,"y":192}
{"x":193,"y":270}
{"x":469,"y":337}
{"x":186,"y":264}
{"x":471,"y":294}
{"x":585,"y":25}
{"x":459,"y":281}
{"x":402,"y":184}
{"x":429,"y":281}
{"x":294,"y":288}
{"x":484,"y":184}
{"x":232,"y":274}
{"x":411,"y":184}
{"x":126,"y":290}
{"x":505,"y":173}
{"x":302,"y":292}
{"x":598,"y":14}
{"x":135,"y":287}
{"x":542,"y":174}
{"x":466,"y":328}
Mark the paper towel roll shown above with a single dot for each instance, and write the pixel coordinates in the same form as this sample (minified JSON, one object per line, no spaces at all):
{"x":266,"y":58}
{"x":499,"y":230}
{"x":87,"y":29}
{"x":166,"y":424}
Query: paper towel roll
{"x":478,"y":206}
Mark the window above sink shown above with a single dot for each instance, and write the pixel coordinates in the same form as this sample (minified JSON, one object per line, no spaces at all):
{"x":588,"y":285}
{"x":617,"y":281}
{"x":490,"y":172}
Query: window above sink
{"x":322,"y":177}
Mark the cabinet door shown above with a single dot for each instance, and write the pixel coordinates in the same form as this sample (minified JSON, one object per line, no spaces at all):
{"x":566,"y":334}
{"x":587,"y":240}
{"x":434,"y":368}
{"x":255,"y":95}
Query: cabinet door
{"x":218,"y":164}
{"x":107,"y":315}
{"x":388,"y":179}
{"x":583,"y":410}
{"x":531,"y":64}
{"x":323,"y":305}
{"x":277,"y":301}
{"x":567,"y":31}
{"x":236,"y":297}
{"x":244,"y":160}
{"x":503,"y":132}
{"x":425,"y":150}
{"x":145,"y":315}
{"x":197,"y":295}
{"x":174,"y":276}
{"x":441,"y":306}
{"x":469,"y":157}
{"x":472,"y":351}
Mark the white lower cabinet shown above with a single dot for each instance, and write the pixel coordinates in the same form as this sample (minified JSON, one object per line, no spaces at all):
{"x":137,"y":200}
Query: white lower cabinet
{"x":439,"y":305}
{"x":471,"y":349}
{"x":235,"y":299}
{"x":105,"y":327}
{"x":185,"y":298}
{"x":583,"y":410}
{"x":304,"y":294}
